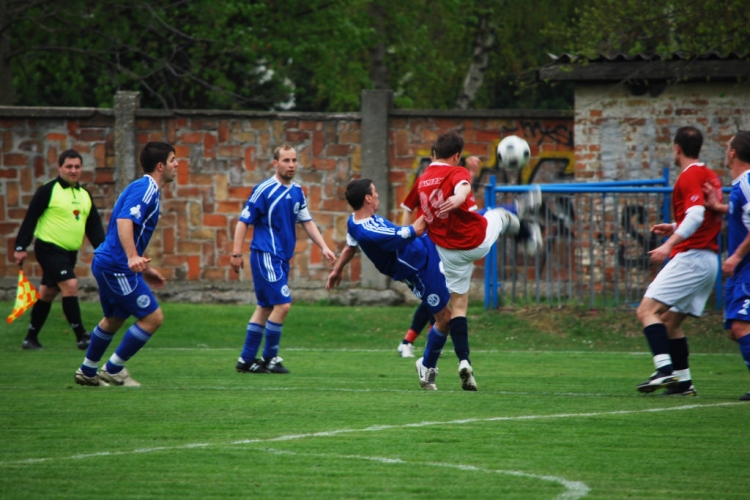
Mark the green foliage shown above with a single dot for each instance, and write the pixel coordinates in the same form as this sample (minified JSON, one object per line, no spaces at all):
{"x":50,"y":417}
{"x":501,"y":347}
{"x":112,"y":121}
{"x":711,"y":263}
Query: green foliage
{"x":311,"y":56}
{"x":642,"y":26}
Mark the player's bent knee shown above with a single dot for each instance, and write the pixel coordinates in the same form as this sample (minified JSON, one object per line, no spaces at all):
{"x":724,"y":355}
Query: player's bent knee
{"x":153,"y":321}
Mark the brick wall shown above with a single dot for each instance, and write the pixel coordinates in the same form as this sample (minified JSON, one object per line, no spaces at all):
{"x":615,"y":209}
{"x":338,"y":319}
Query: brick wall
{"x":222,"y":155}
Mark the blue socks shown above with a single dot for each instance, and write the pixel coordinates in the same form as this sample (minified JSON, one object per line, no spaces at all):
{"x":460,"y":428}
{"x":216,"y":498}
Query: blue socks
{"x":744,"y":343}
{"x":435,"y":342}
{"x":273,"y":336}
{"x":135,"y":338}
{"x":252,"y":341}
{"x":100,"y":340}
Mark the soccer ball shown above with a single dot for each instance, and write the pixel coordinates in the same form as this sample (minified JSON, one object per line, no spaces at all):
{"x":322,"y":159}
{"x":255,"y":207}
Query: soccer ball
{"x":513,"y":152}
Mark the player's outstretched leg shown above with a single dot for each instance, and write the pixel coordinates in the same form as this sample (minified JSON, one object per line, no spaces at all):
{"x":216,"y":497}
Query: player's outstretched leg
{"x":528,"y":204}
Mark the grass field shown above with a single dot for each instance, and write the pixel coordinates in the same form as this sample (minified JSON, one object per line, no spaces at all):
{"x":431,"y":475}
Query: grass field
{"x":556,"y":415}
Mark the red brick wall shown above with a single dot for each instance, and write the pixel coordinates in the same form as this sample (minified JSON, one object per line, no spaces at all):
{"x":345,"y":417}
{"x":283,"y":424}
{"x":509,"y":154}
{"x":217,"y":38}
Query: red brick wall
{"x":222,"y":155}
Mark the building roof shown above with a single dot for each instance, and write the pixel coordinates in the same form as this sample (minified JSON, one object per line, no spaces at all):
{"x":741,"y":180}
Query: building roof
{"x":711,"y":66}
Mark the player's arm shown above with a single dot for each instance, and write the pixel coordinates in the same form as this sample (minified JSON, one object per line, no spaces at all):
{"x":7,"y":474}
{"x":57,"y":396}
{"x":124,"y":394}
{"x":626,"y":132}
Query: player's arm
{"x":693,"y":219}
{"x":460,"y":193}
{"x":729,"y":265}
{"x":314,"y":233}
{"x":126,"y":233}
{"x":240,"y":232}
{"x":711,"y":199}
{"x":94,"y":227}
{"x":38,"y":205}
{"x":335,"y":277}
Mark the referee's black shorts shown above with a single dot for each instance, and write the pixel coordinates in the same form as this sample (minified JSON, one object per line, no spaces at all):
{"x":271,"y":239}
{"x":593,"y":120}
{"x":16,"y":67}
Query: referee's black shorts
{"x":57,"y":263}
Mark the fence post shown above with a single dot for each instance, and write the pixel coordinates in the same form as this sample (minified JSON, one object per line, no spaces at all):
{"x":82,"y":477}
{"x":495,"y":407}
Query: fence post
{"x":126,"y":103}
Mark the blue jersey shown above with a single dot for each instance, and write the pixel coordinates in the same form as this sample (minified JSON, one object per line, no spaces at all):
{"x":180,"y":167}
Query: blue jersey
{"x":274,"y":209}
{"x":396,"y":251}
{"x":739,"y":225}
{"x":139,"y":203}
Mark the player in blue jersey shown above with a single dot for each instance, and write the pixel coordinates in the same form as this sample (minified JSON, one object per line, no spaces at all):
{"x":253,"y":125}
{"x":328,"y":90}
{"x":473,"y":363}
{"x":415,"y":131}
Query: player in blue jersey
{"x":123,"y":272}
{"x":405,"y":254}
{"x":274,"y":208}
{"x":737,"y":265}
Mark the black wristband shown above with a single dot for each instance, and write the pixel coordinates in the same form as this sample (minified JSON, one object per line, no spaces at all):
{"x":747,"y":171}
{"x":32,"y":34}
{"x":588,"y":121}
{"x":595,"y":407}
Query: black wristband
{"x":236,"y":255}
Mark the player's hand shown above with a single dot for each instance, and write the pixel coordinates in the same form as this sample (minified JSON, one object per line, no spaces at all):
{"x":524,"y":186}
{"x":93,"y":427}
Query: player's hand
{"x":330,"y":256}
{"x":450,"y":204}
{"x":420,"y":226}
{"x":729,"y":265}
{"x":154,"y":278}
{"x":138,"y":264}
{"x":659,"y":255}
{"x":711,"y":199}
{"x":237,"y":263}
{"x":19,"y":257}
{"x":333,"y":280}
{"x":663,"y":229}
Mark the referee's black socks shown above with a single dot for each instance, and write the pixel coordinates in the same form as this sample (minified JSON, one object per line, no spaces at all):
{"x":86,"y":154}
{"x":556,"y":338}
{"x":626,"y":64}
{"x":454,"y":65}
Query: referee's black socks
{"x":72,"y":312}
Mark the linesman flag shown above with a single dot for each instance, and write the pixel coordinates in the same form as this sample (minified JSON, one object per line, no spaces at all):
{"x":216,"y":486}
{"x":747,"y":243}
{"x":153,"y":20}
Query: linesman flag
{"x":26,"y":295}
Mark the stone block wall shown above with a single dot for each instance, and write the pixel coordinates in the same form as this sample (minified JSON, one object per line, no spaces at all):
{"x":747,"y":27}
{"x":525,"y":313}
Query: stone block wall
{"x":621,"y":136}
{"x":221,"y":156}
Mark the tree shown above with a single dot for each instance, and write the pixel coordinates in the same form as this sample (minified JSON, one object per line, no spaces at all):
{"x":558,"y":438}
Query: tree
{"x":311,"y":55}
{"x":691,"y":28}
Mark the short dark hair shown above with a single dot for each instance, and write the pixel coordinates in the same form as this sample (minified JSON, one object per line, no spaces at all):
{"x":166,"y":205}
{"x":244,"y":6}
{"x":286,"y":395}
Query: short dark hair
{"x":154,"y":153}
{"x":741,"y":143}
{"x":356,"y":192}
{"x":690,"y":141}
{"x":448,"y":144}
{"x":68,"y":153}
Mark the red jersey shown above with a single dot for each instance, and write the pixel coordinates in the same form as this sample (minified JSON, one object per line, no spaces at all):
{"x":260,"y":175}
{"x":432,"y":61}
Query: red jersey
{"x":688,"y":192}
{"x":461,"y":229}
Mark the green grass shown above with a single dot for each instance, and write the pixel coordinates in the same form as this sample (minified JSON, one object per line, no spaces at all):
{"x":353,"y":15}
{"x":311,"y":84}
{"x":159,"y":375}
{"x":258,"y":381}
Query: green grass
{"x":556,"y":415}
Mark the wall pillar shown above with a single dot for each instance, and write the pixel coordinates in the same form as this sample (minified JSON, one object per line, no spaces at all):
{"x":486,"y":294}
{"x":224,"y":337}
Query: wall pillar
{"x":126,"y":162}
{"x":376,"y":105}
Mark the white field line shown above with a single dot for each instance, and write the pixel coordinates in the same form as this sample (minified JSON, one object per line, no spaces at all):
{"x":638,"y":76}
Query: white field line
{"x":373,"y":428}
{"x":491,"y":351}
{"x":574,"y":489}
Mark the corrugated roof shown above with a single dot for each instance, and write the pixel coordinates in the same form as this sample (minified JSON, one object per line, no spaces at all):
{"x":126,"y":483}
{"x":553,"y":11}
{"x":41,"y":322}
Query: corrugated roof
{"x":677,"y":56}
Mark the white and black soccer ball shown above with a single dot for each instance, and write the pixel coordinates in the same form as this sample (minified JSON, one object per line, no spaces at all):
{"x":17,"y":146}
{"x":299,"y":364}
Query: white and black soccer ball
{"x":513,"y":152}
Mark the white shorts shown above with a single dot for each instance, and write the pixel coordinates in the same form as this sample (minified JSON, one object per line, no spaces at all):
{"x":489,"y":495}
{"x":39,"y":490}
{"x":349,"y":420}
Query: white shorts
{"x":457,"y":265}
{"x":686,"y":282}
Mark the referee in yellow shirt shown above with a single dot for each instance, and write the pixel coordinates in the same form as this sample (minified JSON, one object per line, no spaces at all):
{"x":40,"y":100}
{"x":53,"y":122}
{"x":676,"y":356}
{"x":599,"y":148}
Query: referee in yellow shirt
{"x":60,"y":214}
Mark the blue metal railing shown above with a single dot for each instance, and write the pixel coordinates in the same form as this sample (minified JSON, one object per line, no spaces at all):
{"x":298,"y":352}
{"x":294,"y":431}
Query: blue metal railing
{"x":630,"y":187}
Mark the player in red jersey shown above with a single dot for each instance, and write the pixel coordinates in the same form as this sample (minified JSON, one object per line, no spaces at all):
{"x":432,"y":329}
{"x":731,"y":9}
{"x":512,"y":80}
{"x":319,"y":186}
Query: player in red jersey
{"x":462,"y":236}
{"x":683,"y":286}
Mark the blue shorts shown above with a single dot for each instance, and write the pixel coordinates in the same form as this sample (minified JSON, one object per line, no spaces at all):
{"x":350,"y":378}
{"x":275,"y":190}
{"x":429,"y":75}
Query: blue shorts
{"x":736,"y":303}
{"x":428,"y":284}
{"x":123,"y":294}
{"x":270,"y":276}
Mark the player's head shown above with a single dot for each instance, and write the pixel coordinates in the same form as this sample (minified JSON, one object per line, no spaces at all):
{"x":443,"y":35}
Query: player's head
{"x":69,"y":165}
{"x":285,"y":162}
{"x":740,"y":143}
{"x":154,"y":153}
{"x":448,"y":145}
{"x":69,"y":154}
{"x":357,"y":191}
{"x":690,"y":140}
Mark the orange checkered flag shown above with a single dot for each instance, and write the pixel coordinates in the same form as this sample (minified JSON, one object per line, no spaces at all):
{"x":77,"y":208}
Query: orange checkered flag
{"x":26,"y":296}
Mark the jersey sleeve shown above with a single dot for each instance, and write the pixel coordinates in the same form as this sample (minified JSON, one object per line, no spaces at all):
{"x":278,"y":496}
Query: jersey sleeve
{"x":304,"y":213}
{"x":133,"y":207}
{"x":391,"y":238}
{"x":351,"y":240}
{"x":38,"y":205}
{"x":94,"y":227}
{"x":249,"y":213}
{"x":692,"y":189}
